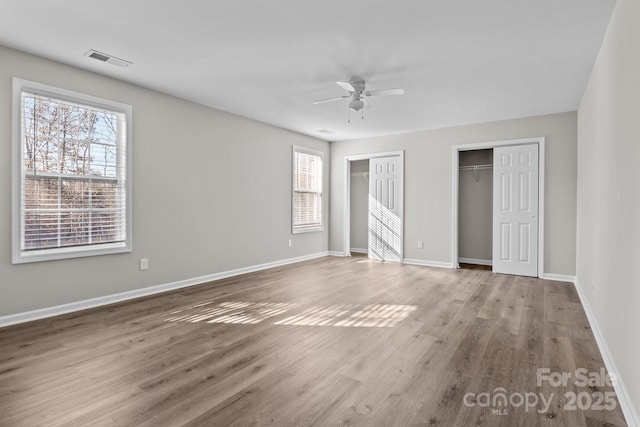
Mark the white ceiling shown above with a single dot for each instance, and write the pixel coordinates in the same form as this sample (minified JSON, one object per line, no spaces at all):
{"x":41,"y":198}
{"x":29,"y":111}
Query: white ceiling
{"x":460,"y":61}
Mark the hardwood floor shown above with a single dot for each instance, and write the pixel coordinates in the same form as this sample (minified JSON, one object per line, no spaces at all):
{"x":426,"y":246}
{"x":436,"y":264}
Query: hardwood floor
{"x":332,"y":341}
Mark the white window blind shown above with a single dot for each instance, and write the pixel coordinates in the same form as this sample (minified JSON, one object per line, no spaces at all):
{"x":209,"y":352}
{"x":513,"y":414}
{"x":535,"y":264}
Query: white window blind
{"x":73,"y":176}
{"x":307,"y":190}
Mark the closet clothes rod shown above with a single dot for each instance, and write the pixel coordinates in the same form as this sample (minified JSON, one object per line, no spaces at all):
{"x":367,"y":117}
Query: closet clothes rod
{"x":475,"y":169}
{"x":365,"y":175}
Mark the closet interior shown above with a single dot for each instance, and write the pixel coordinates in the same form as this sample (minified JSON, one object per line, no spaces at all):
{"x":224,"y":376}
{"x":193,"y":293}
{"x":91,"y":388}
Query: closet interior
{"x":475,"y":201}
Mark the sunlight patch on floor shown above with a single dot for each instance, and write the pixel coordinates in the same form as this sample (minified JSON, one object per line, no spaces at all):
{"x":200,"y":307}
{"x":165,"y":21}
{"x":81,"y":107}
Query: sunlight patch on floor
{"x":231,"y":312}
{"x":340,"y":315}
{"x":351,"y":315}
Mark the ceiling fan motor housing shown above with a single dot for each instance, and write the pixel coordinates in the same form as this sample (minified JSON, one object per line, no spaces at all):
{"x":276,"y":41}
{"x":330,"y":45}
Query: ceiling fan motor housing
{"x":357,"y":102}
{"x":358,"y":86}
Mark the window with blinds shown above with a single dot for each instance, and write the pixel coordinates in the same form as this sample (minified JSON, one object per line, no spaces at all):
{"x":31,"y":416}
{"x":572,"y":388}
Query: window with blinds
{"x":307,"y":190}
{"x":72,"y":175}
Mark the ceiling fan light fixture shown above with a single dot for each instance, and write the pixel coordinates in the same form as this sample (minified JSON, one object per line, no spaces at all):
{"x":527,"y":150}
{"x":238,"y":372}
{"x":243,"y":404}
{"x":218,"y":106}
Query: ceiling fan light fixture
{"x":356,"y":105}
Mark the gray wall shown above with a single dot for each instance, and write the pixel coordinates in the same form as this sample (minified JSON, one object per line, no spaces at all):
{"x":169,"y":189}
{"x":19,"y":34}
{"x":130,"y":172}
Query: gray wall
{"x":359,"y":206}
{"x":609,"y":193}
{"x":475,"y":209}
{"x":211,"y":193}
{"x":428,"y":184}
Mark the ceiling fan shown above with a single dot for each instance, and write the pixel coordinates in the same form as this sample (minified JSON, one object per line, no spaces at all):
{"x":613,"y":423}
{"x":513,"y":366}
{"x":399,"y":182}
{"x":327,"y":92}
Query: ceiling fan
{"x":359,"y":94}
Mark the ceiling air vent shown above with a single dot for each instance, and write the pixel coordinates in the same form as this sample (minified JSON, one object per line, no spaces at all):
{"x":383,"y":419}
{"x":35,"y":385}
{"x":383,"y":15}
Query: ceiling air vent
{"x":103,"y":57}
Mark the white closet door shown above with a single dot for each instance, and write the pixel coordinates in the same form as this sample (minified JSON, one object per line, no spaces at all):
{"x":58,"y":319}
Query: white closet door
{"x":385,"y":208}
{"x":515,"y":210}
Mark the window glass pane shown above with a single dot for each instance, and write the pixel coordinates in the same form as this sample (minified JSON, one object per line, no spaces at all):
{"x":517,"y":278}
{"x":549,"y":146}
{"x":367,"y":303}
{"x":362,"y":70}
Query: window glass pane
{"x":103,"y":160}
{"x":41,"y":193}
{"x":41,"y":230}
{"x":74,"y":228}
{"x":307,"y":211}
{"x":74,"y":194}
{"x":104,"y":195}
{"x":40,"y":120}
{"x":74,"y":156}
{"x":106,"y":126}
{"x":104,"y":227}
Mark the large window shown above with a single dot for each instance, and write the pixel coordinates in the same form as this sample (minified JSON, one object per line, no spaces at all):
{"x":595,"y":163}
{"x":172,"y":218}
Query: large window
{"x":71,"y":174}
{"x":307,"y":190}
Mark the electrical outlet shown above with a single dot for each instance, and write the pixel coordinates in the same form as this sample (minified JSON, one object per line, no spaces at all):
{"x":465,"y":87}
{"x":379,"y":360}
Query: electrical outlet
{"x":420,"y":244}
{"x":144,"y":263}
{"x":290,"y":243}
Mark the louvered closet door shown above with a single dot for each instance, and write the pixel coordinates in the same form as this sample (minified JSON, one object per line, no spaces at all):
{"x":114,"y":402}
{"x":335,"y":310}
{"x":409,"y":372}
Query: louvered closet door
{"x":515,"y":210}
{"x":385,"y":209}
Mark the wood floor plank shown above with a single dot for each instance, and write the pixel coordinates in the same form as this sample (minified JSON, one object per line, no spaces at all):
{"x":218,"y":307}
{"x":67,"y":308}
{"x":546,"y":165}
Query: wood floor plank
{"x":331,"y":341}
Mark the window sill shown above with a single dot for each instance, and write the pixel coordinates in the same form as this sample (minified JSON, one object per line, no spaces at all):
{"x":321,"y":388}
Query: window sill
{"x":22,"y":257}
{"x":307,"y":230}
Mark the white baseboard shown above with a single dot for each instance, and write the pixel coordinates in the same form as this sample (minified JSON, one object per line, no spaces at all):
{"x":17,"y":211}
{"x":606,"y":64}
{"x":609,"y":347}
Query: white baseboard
{"x":475,"y":261}
{"x":427,"y":263}
{"x":626,"y":404}
{"x":360,"y":250}
{"x":336,"y":253}
{"x":558,"y":277}
{"x":42,"y":313}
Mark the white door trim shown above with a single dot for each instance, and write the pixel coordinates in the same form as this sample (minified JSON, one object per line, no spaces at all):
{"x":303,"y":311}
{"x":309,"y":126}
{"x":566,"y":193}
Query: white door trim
{"x":347,"y":193}
{"x":455,"y":190}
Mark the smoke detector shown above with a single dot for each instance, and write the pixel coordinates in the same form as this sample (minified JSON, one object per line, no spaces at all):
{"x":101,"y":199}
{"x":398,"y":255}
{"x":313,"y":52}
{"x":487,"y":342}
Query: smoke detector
{"x":109,"y":59}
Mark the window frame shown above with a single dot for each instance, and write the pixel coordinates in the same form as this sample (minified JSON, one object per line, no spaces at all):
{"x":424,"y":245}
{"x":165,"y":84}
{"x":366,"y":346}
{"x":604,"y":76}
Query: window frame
{"x":306,"y":229}
{"x":19,"y":255}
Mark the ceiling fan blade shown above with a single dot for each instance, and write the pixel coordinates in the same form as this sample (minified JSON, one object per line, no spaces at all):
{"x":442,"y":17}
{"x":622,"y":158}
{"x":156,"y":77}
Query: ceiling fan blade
{"x":346,"y":86}
{"x":332,"y":99}
{"x":380,"y":92}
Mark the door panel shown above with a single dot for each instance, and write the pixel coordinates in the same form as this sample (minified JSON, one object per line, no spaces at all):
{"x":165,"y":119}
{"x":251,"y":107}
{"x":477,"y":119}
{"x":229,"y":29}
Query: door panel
{"x":515,"y":225}
{"x":385,"y":208}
